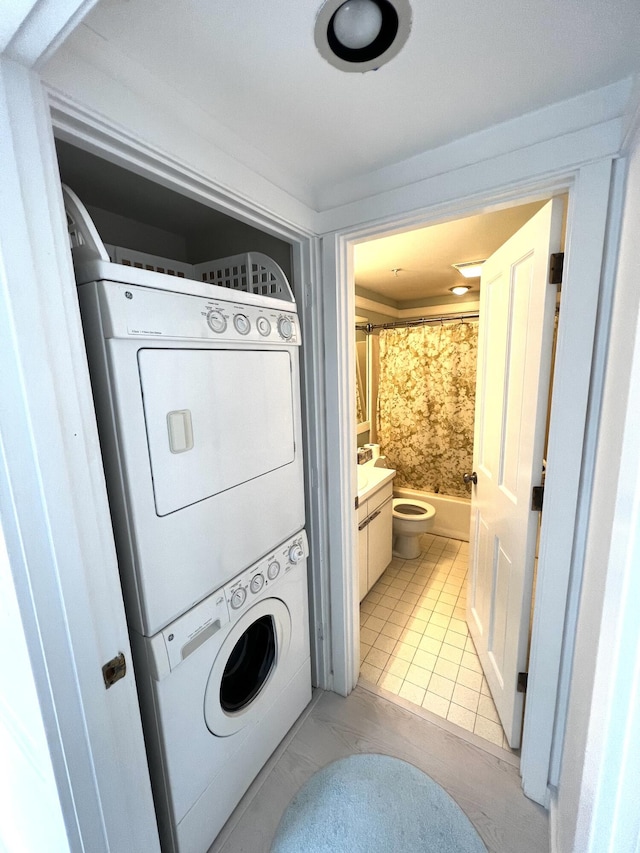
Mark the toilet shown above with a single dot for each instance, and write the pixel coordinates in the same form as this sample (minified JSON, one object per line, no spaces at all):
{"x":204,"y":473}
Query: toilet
{"x":411,"y":518}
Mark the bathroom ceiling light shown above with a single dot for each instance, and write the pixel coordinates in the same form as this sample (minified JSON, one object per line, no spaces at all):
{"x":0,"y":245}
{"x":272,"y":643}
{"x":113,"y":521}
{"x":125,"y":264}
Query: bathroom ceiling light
{"x":471,"y":269}
{"x":361,"y":35}
{"x":357,"y":23}
{"x":460,"y":289}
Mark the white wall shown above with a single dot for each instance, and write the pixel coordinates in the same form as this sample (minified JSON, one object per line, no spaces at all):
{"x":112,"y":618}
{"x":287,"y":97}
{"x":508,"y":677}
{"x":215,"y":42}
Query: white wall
{"x":597,"y":807}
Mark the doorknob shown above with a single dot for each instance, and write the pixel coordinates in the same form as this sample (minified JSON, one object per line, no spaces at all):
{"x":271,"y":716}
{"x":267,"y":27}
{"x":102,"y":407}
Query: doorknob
{"x":470,"y":478}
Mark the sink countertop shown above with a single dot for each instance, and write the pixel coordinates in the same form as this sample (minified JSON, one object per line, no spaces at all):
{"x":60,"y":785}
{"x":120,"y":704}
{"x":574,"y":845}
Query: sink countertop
{"x":370,"y":479}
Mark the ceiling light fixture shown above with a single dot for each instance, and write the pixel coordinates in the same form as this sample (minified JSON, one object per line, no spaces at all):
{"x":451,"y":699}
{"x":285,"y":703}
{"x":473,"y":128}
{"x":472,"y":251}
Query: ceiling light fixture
{"x":361,"y":35}
{"x":357,"y":23}
{"x":460,"y":289}
{"x":471,"y":269}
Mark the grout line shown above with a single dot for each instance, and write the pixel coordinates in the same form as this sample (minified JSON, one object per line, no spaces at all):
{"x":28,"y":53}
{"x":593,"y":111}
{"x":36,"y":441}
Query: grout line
{"x":498,"y":752}
{"x":427,"y":610}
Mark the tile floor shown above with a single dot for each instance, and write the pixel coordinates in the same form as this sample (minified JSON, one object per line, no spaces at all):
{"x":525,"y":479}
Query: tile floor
{"x":415,"y":642}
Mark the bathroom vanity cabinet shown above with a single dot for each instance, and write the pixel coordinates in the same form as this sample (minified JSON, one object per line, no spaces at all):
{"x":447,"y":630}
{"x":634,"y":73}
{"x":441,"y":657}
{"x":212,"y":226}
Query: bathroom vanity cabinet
{"x":374,"y":535}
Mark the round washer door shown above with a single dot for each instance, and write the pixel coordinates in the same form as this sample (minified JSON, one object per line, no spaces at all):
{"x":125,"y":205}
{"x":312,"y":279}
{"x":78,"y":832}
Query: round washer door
{"x":246,"y":667}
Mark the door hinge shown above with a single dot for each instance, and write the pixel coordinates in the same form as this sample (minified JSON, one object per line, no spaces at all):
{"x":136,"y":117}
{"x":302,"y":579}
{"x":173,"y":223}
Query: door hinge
{"x":357,"y":502}
{"x":114,"y":670}
{"x":537,"y":497}
{"x":523,"y":677}
{"x":555,"y":268}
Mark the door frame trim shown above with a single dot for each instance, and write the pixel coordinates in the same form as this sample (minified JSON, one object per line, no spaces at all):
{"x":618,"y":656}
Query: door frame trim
{"x":564,"y":521}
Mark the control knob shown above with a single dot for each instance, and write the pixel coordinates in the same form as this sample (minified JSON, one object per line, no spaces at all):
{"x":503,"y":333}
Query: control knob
{"x":274,"y":570}
{"x":216,"y":321}
{"x":242,"y":324}
{"x":238,"y":597}
{"x":285,"y":328}
{"x":257,"y":582}
{"x":296,"y":553}
{"x":263,"y":326}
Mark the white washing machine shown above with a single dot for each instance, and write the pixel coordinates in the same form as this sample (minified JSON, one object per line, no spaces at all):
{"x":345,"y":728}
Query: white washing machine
{"x":220,"y":687}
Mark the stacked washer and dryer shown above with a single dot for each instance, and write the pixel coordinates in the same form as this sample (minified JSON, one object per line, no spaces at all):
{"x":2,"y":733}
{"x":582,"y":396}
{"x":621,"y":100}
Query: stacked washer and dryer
{"x":197,"y":396}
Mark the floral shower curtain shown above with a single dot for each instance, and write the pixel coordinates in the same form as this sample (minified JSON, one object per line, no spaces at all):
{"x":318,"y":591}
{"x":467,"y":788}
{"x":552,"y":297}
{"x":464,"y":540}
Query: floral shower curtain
{"x":426,"y":402}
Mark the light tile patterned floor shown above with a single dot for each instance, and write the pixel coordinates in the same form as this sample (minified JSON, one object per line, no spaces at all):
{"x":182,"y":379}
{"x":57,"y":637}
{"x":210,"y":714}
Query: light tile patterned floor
{"x":414,"y":640}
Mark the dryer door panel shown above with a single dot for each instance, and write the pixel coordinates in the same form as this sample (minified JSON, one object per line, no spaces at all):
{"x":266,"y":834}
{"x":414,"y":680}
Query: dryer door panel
{"x":215,"y":419}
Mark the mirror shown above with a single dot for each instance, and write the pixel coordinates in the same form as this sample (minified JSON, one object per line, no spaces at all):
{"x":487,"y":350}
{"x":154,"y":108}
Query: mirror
{"x":362,"y":381}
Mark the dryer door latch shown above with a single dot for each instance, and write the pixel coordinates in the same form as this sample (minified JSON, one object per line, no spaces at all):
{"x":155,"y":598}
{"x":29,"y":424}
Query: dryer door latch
{"x":114,"y":670}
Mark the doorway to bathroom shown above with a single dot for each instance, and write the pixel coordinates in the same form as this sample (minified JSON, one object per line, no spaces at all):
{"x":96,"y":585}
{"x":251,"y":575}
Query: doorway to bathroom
{"x":415,"y":642}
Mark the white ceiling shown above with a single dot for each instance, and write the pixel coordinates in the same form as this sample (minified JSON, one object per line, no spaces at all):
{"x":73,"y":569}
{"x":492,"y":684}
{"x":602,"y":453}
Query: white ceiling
{"x":423,"y":257}
{"x":253,"y":67}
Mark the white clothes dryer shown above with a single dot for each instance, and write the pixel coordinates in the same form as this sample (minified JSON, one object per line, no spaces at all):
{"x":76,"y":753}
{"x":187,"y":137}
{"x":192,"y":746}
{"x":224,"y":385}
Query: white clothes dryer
{"x":220,"y":688}
{"x":197,"y":395}
{"x":196,"y":384}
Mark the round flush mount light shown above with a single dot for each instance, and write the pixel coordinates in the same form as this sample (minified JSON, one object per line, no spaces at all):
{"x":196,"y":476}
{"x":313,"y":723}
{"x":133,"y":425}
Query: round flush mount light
{"x":460,"y":289}
{"x":362,"y":35}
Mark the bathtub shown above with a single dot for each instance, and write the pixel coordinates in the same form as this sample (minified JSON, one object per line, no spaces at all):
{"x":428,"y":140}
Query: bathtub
{"x":453,"y":514}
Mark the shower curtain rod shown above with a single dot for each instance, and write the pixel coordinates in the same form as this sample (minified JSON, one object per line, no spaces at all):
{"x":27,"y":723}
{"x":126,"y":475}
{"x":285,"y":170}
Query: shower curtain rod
{"x":420,"y":321}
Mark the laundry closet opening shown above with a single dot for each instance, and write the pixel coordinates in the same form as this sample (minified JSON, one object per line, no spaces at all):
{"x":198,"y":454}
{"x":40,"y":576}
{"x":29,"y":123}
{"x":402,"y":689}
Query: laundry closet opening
{"x":416,"y":406}
{"x":193,"y":340}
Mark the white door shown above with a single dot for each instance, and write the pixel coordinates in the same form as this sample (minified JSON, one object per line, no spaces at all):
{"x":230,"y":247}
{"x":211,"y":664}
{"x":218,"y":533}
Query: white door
{"x":517,"y":307}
